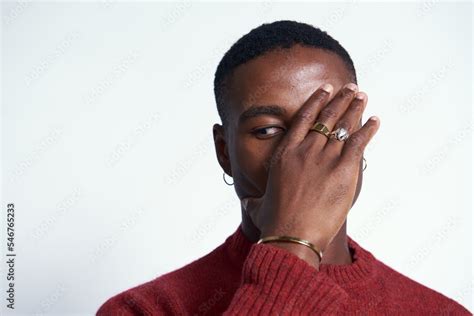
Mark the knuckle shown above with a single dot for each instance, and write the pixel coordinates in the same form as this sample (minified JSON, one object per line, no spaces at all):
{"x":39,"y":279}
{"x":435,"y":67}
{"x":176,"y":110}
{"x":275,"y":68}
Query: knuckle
{"x":287,"y":162}
{"x":357,"y":105}
{"x":341,"y":170}
{"x":319,"y":96}
{"x":328,"y":113}
{"x":306,"y":116}
{"x":303,"y":153}
{"x":331,"y":156}
{"x":346,"y":168}
{"x":356,"y":140}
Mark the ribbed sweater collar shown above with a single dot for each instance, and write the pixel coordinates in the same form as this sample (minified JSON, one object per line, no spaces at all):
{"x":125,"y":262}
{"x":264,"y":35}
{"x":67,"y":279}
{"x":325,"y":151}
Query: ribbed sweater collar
{"x":361,"y":268}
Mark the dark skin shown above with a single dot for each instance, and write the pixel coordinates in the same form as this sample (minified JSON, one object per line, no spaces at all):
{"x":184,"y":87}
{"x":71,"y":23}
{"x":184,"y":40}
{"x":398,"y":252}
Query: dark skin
{"x":285,"y":79}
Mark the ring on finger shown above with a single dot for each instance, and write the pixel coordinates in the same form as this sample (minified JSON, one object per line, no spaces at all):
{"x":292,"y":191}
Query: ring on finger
{"x":340,"y":134}
{"x":321,"y":128}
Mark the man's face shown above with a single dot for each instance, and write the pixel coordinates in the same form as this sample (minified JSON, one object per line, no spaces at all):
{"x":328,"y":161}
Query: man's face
{"x":264,"y":95}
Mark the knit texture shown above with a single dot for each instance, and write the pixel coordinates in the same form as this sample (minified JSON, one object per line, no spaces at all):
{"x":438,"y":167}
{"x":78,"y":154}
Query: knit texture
{"x":244,"y":278}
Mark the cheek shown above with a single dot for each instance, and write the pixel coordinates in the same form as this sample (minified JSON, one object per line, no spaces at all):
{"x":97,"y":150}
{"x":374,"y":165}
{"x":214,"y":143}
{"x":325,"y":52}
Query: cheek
{"x":251,"y":158}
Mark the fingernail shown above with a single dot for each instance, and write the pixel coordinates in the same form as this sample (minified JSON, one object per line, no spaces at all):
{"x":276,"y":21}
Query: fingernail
{"x":351,"y":86}
{"x":327,"y":87}
{"x":374,"y":118}
{"x":360,"y":96}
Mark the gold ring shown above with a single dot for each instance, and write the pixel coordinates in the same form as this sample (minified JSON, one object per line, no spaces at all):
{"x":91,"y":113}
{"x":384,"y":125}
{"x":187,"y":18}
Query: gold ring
{"x":321,"y":128}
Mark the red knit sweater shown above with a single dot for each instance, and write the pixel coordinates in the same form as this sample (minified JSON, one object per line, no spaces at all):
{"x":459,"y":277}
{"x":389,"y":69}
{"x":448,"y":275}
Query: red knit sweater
{"x":244,"y":278}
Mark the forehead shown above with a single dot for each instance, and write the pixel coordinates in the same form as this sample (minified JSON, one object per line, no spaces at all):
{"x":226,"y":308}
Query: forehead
{"x":284,"y":77}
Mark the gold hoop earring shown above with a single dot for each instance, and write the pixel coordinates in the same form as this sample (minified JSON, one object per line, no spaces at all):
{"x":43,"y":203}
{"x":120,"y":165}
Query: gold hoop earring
{"x":223,"y":176}
{"x":365,"y":163}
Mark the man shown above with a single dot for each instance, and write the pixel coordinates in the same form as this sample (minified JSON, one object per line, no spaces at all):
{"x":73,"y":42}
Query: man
{"x":292,"y":139}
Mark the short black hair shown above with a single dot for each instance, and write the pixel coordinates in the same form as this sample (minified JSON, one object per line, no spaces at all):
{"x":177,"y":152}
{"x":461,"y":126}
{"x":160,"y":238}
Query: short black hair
{"x":267,"y":37}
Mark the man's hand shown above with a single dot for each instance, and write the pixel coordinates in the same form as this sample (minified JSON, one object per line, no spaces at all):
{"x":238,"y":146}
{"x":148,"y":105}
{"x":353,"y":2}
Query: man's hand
{"x":312,"y":179}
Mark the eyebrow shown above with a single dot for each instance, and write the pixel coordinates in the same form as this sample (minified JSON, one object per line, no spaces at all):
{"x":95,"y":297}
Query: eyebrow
{"x":257,"y":110}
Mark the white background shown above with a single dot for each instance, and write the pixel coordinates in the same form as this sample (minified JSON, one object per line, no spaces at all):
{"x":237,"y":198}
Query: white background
{"x":107,"y":149}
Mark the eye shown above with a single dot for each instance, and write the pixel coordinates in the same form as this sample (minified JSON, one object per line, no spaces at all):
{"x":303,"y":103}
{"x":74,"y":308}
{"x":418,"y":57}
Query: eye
{"x":266,"y":132}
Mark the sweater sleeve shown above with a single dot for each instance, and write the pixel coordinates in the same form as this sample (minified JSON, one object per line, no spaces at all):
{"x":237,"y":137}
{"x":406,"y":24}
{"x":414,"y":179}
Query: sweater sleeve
{"x":142,"y":300}
{"x":275,"y":280}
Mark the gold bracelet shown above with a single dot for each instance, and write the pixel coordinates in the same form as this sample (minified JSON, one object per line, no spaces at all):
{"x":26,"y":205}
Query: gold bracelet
{"x":294,"y":240}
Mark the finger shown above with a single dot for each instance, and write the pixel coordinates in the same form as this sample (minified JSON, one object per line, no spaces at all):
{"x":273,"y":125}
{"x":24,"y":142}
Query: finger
{"x":332,"y":112}
{"x":350,"y":121}
{"x":354,"y":146}
{"x":304,"y":118}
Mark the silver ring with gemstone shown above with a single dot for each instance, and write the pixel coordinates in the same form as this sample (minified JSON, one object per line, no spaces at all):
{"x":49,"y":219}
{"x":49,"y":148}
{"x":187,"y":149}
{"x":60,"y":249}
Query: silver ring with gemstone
{"x":341,"y":134}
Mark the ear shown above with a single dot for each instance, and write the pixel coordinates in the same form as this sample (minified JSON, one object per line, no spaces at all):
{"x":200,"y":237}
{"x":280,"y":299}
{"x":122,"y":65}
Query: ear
{"x":220,"y":143}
